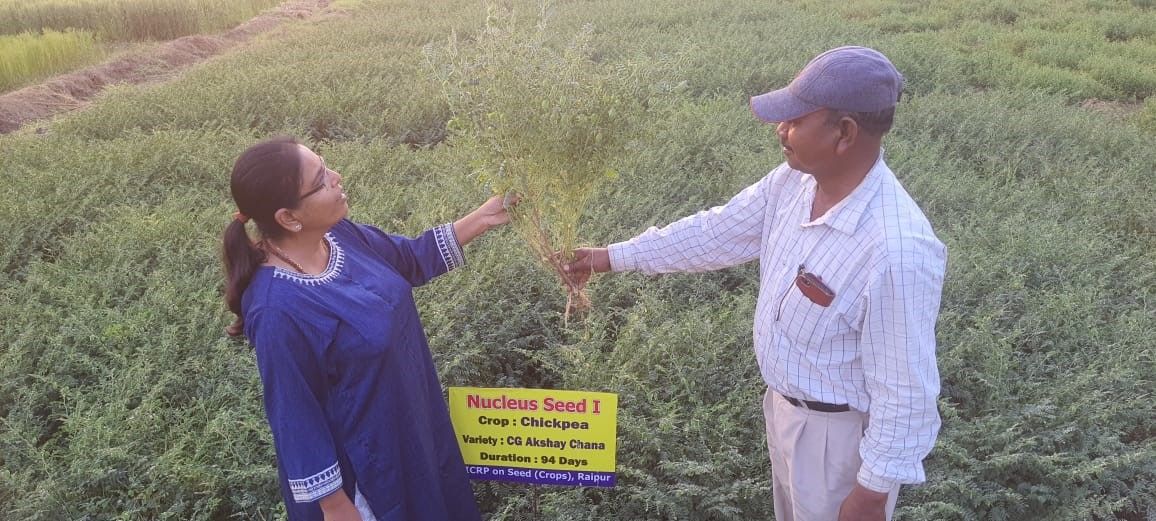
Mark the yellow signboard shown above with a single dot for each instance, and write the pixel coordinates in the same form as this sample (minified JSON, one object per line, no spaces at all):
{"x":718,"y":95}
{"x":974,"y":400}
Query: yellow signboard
{"x":537,"y":435}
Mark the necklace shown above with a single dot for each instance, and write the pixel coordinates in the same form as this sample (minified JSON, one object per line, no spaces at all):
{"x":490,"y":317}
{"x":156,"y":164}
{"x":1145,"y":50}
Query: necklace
{"x":280,"y":254}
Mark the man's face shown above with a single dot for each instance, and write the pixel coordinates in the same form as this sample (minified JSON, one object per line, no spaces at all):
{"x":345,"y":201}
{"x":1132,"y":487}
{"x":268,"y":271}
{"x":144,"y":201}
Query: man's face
{"x":809,"y":141}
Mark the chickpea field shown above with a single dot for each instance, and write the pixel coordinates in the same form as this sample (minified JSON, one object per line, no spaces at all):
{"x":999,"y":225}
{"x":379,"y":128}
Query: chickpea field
{"x":39,"y":38}
{"x":1027,"y":134}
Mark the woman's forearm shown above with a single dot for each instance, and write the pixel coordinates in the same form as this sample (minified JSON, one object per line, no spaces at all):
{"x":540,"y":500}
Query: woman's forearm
{"x":470,"y":227}
{"x":338,"y":507}
{"x":490,"y":214}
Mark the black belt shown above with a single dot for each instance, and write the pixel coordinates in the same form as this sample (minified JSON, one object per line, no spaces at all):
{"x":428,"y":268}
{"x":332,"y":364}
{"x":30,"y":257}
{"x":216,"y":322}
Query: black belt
{"x":818,"y":406}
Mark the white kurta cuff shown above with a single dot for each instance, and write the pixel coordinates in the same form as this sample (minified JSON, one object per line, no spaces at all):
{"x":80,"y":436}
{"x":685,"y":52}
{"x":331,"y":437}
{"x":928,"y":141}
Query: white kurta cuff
{"x":449,"y":246}
{"x":317,"y":486}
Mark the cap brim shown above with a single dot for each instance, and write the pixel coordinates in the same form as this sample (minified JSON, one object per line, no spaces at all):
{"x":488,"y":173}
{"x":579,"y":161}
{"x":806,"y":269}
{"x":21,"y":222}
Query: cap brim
{"x":780,"y":105}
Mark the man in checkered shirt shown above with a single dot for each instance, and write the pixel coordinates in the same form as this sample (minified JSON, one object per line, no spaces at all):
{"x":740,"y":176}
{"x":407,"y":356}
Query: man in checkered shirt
{"x":850,"y":279}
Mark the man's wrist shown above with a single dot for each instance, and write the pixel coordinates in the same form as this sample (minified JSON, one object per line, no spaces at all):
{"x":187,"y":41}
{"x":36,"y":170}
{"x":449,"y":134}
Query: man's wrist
{"x":871,"y":496}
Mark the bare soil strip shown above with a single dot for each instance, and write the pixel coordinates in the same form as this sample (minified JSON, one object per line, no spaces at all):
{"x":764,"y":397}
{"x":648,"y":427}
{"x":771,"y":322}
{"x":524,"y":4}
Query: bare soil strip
{"x":73,"y":90}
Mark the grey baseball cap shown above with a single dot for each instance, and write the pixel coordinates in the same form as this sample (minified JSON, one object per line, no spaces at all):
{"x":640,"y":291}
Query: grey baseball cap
{"x":854,"y":79}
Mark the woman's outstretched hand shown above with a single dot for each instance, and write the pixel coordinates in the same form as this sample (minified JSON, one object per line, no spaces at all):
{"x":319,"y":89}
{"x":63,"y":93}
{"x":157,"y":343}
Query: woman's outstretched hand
{"x":492,"y":213}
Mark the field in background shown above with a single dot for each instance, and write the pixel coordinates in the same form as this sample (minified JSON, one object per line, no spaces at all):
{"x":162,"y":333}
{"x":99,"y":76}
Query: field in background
{"x":120,"y":397}
{"x":39,"y":38}
{"x":37,"y":55}
{"x":1081,"y":49}
{"x":128,"y":20}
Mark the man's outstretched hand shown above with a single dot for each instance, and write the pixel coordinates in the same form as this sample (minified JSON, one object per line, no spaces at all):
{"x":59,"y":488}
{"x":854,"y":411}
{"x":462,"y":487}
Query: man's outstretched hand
{"x":586,"y":261}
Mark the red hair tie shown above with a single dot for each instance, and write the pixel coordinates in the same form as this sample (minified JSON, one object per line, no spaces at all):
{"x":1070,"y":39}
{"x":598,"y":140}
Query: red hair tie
{"x":241,"y":217}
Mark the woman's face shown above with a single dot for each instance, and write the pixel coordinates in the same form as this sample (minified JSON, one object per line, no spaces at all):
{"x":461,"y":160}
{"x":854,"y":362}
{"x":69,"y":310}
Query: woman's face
{"x":322,"y":198}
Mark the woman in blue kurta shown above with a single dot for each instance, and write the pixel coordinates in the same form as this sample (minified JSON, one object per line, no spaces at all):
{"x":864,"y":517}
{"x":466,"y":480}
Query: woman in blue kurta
{"x":351,"y":392}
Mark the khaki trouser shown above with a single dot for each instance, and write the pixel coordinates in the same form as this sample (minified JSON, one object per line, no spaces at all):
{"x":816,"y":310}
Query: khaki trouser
{"x":814,"y":459}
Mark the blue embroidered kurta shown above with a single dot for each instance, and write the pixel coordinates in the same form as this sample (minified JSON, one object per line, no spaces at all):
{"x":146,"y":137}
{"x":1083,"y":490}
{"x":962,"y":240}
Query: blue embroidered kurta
{"x":351,"y":391}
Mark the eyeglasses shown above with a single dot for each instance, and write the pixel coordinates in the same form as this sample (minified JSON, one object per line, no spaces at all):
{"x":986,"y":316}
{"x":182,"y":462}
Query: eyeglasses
{"x":324,"y":183}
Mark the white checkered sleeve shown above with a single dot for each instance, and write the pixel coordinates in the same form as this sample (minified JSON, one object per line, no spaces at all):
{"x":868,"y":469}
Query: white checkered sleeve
{"x":712,"y":239}
{"x":898,"y":356}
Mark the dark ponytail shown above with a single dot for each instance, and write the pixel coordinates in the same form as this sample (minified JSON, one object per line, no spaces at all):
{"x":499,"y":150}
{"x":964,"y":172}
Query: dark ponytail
{"x":241,"y":258}
{"x":266,"y":178}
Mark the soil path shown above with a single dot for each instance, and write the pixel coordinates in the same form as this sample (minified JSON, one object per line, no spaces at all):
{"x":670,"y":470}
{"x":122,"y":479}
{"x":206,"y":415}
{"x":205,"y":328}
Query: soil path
{"x":73,"y":90}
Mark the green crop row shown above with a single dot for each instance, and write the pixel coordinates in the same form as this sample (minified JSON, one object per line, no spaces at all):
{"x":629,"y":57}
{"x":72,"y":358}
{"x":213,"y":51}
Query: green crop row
{"x":1079,"y":49}
{"x":31,"y":56}
{"x":127,"y":20}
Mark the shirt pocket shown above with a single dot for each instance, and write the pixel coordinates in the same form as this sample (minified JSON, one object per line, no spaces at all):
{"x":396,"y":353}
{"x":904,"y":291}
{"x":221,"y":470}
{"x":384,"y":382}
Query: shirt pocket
{"x":808,"y":324}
